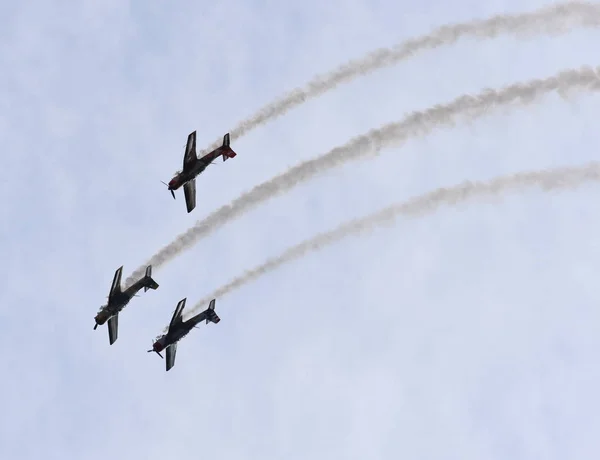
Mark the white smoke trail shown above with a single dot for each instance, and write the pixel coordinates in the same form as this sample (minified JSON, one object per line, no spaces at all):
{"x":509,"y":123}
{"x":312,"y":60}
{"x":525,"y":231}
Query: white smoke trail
{"x":414,"y":125}
{"x":553,"y":179}
{"x":554,"y":19}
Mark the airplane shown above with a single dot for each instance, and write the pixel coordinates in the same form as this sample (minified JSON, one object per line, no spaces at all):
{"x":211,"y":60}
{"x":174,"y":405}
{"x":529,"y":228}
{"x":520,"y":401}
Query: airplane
{"x":117,"y":299}
{"x":179,"y":329}
{"x":192,"y":166}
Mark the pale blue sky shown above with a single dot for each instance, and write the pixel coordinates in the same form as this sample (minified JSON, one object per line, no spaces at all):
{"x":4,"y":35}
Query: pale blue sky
{"x":470,"y":333}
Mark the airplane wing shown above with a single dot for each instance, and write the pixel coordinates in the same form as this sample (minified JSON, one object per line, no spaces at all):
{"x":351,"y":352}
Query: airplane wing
{"x":115,"y":288}
{"x":177,"y":313}
{"x":190,"y":151}
{"x":189,"y":189}
{"x":171,"y":351}
{"x":113,"y":328}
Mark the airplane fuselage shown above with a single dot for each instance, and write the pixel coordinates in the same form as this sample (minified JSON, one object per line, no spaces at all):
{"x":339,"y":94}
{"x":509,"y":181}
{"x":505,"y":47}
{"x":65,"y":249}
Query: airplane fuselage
{"x":118,"y":302}
{"x":199,"y":166}
{"x":186,"y":176}
{"x":177,"y":334}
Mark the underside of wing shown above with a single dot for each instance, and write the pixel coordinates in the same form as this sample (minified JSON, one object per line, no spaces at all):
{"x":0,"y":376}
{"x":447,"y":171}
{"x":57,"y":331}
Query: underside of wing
{"x":115,"y":287}
{"x":113,"y":328}
{"x":177,"y":313}
{"x":189,"y":189}
{"x":171,"y":351}
{"x":190,"y":151}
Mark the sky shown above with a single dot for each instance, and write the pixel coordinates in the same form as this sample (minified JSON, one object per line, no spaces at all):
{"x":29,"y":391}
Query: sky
{"x":467,"y":333}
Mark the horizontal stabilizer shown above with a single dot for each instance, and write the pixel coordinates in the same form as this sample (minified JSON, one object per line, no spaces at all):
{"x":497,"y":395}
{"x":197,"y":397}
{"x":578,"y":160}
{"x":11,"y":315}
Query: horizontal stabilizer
{"x":149,"y":283}
{"x":227,"y":151}
{"x":210,"y":313}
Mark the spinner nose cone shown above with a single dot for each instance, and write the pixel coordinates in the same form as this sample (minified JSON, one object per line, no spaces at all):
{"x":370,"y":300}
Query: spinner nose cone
{"x":173,"y":185}
{"x":100,"y":319}
{"x":157,"y":346}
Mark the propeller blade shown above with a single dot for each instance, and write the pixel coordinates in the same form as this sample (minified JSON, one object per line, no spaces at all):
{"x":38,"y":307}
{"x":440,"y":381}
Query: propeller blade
{"x":95,"y":326}
{"x":172,"y":192}
{"x":161,"y":356}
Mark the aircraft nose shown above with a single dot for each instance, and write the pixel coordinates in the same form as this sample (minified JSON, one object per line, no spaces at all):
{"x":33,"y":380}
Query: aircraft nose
{"x":99,"y":320}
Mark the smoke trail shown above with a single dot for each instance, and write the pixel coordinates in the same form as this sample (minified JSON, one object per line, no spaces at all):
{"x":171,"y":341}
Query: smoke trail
{"x":552,"y":179}
{"x":415,"y":124}
{"x":555,"y":19}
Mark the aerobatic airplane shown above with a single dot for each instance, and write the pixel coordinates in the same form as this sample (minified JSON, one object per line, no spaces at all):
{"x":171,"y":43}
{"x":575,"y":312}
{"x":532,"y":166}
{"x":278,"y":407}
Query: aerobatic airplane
{"x":179,"y":329}
{"x":192,"y":166}
{"x":117,"y":299}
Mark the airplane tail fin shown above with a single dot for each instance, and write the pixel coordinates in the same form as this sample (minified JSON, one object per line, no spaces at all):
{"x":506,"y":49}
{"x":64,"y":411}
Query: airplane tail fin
{"x":149,"y":282}
{"x":212,"y":316}
{"x":227,"y":151}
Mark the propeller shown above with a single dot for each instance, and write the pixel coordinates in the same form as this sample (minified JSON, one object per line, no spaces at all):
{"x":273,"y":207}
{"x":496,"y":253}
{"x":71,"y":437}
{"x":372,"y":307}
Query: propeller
{"x":150,"y":351}
{"x":171,"y":190}
{"x":95,"y":326}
